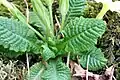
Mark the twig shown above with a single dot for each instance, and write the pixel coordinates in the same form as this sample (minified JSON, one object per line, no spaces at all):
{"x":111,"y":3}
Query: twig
{"x":57,"y":21}
{"x":68,"y":59}
{"x":113,"y":75}
{"x":28,"y":64}
{"x":87,"y":67}
{"x":27,"y":11}
{"x":27,"y":14}
{"x":58,"y":25}
{"x":114,"y":78}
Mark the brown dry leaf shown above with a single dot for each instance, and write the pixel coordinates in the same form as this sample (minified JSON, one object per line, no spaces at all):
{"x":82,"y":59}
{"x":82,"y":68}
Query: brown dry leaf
{"x":80,"y":72}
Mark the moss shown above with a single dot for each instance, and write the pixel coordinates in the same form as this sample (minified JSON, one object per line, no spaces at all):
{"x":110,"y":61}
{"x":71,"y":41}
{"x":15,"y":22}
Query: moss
{"x":9,"y":71}
{"x":18,"y":3}
{"x":4,"y":11}
{"x":93,"y":9}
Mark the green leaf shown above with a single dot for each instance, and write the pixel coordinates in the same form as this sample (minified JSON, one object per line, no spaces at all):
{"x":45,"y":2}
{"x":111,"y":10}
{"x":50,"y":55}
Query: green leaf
{"x":96,"y":59}
{"x":63,"y":6}
{"x":9,"y":53}
{"x":16,"y":36}
{"x":35,"y":72}
{"x":47,"y":53}
{"x":43,"y":14}
{"x":41,"y":11}
{"x":81,"y":33}
{"x":56,"y":70}
{"x":35,"y":21}
{"x":49,"y":2}
{"x":76,"y":9}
